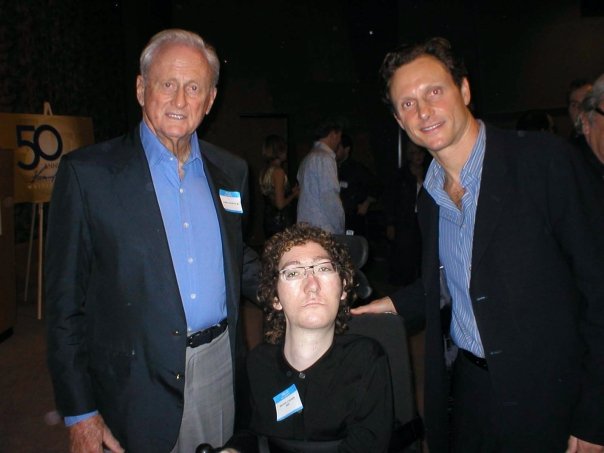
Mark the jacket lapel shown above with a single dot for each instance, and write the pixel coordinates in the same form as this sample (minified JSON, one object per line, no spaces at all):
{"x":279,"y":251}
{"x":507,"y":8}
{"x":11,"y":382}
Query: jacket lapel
{"x":494,"y":187}
{"x":218,"y":179}
{"x":428,"y":212}
{"x":136,"y":193}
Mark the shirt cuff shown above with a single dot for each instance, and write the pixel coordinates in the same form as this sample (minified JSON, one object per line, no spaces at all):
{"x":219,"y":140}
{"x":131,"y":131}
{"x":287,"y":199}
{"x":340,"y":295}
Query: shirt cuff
{"x":72,"y":420}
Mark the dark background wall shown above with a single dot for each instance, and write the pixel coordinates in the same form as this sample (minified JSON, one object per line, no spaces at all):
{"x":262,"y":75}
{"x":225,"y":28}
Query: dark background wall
{"x":521,"y":53}
{"x":300,"y":59}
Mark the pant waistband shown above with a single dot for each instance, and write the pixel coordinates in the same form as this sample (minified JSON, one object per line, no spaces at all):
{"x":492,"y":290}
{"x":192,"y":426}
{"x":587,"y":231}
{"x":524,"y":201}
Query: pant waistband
{"x":475,"y":360}
{"x":206,"y":335}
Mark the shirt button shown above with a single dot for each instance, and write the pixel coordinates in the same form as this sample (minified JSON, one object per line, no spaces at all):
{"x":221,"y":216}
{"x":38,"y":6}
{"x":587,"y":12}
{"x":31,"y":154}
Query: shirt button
{"x":179,"y":376}
{"x":189,"y":260}
{"x":193,"y":296}
{"x":186,"y":224}
{"x":176,"y":333}
{"x":181,"y":190}
{"x":301,"y":375}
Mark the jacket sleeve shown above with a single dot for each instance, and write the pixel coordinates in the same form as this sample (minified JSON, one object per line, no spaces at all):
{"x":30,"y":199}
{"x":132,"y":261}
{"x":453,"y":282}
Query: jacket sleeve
{"x":250,"y":275}
{"x":576,"y":222}
{"x":410,"y":303}
{"x":67,"y":269}
{"x":251,"y":262}
{"x":371,"y":425}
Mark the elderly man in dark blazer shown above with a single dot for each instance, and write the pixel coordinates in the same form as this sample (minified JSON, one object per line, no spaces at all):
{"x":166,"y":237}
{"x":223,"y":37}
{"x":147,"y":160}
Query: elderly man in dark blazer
{"x":145,"y":266}
{"x":512,"y":287}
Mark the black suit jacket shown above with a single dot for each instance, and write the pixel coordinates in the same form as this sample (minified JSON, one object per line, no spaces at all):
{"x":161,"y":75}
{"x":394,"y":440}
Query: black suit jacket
{"x":116,"y":324}
{"x":537,"y":290}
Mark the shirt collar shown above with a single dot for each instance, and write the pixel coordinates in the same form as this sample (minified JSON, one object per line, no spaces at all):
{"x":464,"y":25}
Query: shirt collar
{"x":323,"y":146}
{"x":471,"y":171}
{"x":156,"y":152}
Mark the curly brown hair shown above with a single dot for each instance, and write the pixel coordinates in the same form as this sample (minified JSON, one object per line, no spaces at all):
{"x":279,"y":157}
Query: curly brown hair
{"x":274,"y":249}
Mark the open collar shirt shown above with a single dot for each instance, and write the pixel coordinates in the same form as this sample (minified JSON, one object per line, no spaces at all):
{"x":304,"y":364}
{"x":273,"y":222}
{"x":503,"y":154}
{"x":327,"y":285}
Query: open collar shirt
{"x":456,"y":234}
{"x":192,"y":229}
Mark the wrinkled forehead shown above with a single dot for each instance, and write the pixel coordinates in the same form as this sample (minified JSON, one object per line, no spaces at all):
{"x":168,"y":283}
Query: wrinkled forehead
{"x":178,"y":56}
{"x":422,"y":71}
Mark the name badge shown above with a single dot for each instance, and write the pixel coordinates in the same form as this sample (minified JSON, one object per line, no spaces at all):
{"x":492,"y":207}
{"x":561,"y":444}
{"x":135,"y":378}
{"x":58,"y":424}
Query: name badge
{"x":287,"y":402}
{"x":231,"y":201}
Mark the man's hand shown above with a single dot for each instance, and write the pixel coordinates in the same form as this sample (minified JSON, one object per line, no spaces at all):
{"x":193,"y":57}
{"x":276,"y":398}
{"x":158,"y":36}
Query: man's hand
{"x":581,"y":446}
{"x":90,"y":435}
{"x":383,"y":305}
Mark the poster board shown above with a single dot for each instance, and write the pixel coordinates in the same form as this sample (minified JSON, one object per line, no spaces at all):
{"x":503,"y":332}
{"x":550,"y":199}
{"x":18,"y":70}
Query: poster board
{"x":38,"y":142}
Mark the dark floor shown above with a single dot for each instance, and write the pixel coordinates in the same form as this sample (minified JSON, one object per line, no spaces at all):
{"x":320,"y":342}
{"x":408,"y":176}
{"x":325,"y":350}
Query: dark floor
{"x":26,"y":401}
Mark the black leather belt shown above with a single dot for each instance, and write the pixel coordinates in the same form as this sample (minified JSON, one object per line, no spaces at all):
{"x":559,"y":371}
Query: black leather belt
{"x":302,"y":446}
{"x":206,"y":335}
{"x":478,"y":361}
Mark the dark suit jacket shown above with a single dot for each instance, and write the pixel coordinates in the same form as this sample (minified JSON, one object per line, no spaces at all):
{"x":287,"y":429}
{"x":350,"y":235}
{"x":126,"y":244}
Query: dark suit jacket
{"x":116,"y":324}
{"x":537,"y":290}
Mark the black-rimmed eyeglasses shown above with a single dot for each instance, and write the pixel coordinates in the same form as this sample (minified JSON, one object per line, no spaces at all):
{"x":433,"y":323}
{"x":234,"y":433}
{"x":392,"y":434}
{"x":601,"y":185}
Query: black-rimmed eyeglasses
{"x":295,"y":273}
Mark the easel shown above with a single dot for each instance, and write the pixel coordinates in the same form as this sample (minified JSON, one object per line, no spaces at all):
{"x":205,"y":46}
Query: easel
{"x":39,"y":209}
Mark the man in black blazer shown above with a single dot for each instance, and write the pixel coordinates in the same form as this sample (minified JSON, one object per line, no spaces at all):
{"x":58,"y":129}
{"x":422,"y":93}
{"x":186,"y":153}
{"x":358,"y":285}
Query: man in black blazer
{"x":512,"y":287}
{"x":145,"y":265}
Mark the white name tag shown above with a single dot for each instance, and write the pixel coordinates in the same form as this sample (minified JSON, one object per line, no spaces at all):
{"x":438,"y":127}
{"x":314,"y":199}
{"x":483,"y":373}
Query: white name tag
{"x":231,"y":201}
{"x":287,"y":402}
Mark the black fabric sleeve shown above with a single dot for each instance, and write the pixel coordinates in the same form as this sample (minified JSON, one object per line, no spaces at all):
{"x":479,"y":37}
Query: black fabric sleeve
{"x":371,"y":426}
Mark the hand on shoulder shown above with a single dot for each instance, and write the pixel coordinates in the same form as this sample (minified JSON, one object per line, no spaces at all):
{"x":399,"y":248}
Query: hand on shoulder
{"x":576,"y":445}
{"x":383,"y":305}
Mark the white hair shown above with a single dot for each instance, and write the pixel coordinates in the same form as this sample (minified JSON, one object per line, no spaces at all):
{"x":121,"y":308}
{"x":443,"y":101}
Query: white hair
{"x":178,"y":36}
{"x":593,"y":98}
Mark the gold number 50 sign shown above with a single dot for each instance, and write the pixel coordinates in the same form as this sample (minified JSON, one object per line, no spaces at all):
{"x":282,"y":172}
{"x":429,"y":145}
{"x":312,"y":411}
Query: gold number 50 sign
{"x":38,"y":143}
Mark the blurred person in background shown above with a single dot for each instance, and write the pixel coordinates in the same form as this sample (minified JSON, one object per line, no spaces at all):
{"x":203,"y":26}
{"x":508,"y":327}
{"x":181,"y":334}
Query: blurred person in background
{"x":320,"y":203}
{"x":358,"y":187}
{"x":592,"y":125}
{"x":577,"y":90}
{"x":274,"y":185}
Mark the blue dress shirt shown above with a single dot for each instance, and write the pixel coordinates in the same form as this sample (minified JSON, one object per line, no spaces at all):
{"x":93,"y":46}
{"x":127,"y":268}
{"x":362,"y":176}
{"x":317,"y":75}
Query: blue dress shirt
{"x":191,"y":223}
{"x":456,"y":235}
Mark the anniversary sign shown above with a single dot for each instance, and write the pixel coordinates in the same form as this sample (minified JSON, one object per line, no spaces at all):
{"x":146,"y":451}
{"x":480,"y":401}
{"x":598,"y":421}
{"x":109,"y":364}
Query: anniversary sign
{"x":38,"y":142}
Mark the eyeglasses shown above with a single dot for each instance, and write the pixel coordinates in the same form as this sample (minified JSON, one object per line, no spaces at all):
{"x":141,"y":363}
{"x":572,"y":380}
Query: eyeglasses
{"x":599,"y":110}
{"x":292,"y":274}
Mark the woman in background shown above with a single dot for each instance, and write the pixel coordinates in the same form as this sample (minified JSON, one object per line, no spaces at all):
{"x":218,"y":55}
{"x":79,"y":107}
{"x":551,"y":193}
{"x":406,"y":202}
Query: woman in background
{"x":278,"y":195}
